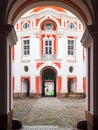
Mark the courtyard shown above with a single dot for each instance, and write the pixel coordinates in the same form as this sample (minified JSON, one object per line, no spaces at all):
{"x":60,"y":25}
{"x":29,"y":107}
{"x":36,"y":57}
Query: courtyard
{"x":49,"y":113}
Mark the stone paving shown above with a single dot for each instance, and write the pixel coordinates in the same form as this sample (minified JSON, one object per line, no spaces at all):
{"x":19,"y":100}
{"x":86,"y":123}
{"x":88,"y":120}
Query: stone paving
{"x":43,"y":127}
{"x":49,"y":113}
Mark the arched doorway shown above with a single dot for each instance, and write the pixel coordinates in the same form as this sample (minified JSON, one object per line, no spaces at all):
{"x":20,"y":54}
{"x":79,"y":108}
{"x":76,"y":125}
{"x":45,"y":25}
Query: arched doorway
{"x":45,"y":93}
{"x":49,"y":82}
{"x":18,"y":8}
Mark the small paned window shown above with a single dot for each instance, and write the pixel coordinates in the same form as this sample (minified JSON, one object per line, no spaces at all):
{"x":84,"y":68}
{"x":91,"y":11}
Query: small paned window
{"x":70,"y":47}
{"x":48,"y":47}
{"x":26,"y":47}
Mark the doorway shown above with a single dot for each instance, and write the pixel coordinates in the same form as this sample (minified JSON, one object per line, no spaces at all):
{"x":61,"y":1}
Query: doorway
{"x":49,"y":83}
{"x":25,"y":87}
{"x":71,"y":85}
{"x":19,"y":8}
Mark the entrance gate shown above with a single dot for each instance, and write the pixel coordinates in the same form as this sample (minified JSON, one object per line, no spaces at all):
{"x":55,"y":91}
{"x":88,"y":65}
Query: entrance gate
{"x":48,"y":82}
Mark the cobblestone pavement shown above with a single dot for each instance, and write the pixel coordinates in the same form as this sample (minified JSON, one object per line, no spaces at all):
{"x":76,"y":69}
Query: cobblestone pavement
{"x":49,"y":113}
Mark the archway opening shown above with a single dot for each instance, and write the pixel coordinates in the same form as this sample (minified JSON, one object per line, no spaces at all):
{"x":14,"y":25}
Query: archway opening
{"x":49,"y":52}
{"x":71,"y":26}
{"x":25,"y":85}
{"x":71,"y":85}
{"x":49,"y":82}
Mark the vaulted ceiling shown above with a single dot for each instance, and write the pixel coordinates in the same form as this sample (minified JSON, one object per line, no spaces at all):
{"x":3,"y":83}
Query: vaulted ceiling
{"x":13,"y":9}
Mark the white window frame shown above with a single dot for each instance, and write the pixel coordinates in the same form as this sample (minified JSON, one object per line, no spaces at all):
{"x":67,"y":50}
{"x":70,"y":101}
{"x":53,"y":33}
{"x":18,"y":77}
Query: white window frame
{"x":52,"y":46}
{"x":23,"y":49}
{"x":73,"y":50}
{"x":71,"y":57}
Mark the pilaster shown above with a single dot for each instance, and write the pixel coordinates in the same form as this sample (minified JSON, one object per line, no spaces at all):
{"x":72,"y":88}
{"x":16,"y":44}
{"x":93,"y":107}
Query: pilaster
{"x":7,"y":38}
{"x":93,"y":29}
{"x":90,"y":41}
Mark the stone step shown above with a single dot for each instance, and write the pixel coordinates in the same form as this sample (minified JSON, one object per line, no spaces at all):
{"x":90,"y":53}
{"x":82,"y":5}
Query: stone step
{"x":76,"y":95}
{"x":45,"y":127}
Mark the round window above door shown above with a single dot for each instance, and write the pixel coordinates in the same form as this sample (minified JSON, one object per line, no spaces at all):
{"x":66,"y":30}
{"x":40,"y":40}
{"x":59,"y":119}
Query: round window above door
{"x":48,"y":26}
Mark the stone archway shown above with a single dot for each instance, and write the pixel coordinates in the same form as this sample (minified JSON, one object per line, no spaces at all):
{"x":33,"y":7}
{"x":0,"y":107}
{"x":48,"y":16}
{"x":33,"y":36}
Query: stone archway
{"x":14,"y":11}
{"x":48,"y":82}
{"x":19,"y":9}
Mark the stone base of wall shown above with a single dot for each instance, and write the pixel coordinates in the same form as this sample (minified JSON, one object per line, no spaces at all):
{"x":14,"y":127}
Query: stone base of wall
{"x":71,"y":95}
{"x":31,"y":95}
{"x":59,"y":95}
{"x":92,"y":121}
{"x":17,"y":95}
{"x":62,"y":95}
{"x":35,"y":95}
{"x":6,"y":121}
{"x":89,"y":118}
{"x":76,"y":95}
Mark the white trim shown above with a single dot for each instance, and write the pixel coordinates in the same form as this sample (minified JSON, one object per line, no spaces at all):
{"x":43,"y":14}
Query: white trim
{"x":73,"y":24}
{"x":25,"y":23}
{"x":51,"y":18}
{"x":47,"y":39}
{"x":48,"y":64}
{"x":24,"y":57}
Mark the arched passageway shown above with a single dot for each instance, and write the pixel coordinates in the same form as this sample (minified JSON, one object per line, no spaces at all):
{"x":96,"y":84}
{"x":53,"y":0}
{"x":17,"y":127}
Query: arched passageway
{"x":48,"y":82}
{"x":11,"y":11}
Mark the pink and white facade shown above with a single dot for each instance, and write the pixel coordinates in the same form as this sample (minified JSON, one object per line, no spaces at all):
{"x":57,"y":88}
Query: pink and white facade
{"x":49,"y":59}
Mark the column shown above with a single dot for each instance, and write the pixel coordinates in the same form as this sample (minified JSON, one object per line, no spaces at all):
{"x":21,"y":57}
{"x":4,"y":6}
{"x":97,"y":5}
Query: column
{"x":59,"y":84}
{"x":93,"y":29}
{"x":7,"y":38}
{"x":90,"y":41}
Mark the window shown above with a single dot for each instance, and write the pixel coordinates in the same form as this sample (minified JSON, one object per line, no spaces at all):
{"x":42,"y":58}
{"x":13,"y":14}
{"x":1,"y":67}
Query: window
{"x":48,"y":26}
{"x":71,"y":47}
{"x":71,"y":69}
{"x":84,"y":54}
{"x":26,"y":25}
{"x":48,"y":47}
{"x":71,"y":25}
{"x":26,"y":47}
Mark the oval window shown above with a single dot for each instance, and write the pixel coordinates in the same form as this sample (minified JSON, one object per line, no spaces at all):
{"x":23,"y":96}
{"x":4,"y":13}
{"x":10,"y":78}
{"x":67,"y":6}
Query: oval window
{"x":26,"y":68}
{"x":71,"y":69}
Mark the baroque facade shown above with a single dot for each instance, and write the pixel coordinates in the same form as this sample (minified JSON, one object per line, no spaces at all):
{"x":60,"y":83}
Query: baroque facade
{"x":10,"y":12}
{"x":49,"y":59}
